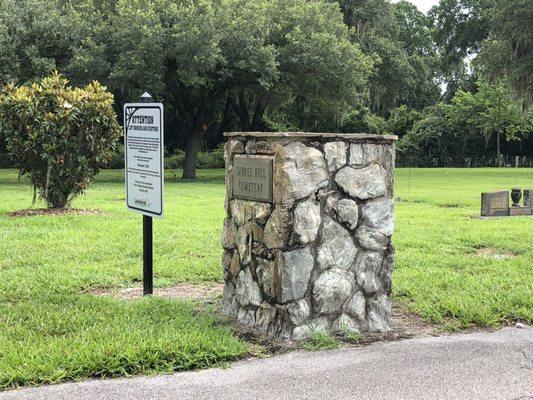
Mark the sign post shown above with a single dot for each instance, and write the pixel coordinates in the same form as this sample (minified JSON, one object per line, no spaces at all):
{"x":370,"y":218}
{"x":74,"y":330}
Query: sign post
{"x":144,"y":150}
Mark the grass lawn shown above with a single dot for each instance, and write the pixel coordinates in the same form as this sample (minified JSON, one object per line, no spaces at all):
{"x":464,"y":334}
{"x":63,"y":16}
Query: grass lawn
{"x":53,"y":329}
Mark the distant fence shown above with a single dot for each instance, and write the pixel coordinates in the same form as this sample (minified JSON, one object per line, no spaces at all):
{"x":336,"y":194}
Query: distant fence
{"x":466,"y":162}
{"x":402,"y":161}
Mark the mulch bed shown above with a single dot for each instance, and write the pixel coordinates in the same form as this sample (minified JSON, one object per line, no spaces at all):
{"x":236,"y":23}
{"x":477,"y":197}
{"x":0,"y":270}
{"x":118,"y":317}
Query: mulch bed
{"x":32,"y":212}
{"x":183,"y":291}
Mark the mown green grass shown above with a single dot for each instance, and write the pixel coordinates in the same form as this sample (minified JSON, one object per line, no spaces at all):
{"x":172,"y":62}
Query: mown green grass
{"x":438,"y":273}
{"x":53,"y":329}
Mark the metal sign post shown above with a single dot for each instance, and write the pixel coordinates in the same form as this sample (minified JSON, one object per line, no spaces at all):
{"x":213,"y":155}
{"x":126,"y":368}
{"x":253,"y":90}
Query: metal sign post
{"x":144,"y":150}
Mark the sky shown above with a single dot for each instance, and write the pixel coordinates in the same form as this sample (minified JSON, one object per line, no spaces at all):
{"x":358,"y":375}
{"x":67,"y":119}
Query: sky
{"x":423,"y":5}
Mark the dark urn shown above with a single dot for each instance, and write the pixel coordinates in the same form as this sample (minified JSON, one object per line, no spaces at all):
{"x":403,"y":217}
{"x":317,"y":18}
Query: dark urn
{"x":516,"y":195}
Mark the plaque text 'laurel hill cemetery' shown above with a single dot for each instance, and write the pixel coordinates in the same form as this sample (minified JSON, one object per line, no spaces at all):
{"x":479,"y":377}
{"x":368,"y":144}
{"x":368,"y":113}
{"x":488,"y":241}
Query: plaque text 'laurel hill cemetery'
{"x":252,"y":178}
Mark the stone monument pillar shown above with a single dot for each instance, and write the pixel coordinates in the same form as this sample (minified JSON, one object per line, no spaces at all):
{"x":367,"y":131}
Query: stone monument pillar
{"x":307,"y":238}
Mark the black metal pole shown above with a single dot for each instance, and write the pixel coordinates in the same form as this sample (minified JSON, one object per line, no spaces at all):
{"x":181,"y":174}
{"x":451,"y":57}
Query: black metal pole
{"x":148,"y":253}
{"x":148,"y":259}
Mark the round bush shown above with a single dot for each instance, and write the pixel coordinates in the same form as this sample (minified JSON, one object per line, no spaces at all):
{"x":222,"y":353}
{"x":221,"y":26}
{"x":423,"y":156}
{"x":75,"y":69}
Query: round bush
{"x":57,"y":135}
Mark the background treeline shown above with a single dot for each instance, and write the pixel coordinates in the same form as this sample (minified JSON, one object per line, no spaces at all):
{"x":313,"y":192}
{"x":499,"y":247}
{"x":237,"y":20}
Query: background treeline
{"x":455,"y":84}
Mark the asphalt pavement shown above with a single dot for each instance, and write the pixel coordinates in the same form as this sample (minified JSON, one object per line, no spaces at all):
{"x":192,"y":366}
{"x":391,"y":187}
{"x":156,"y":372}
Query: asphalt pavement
{"x":488,"y":365}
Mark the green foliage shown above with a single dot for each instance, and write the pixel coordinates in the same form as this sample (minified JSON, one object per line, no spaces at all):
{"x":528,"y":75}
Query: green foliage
{"x":428,"y":140}
{"x":60,"y":137}
{"x":508,"y":52}
{"x":466,"y":125}
{"x":319,"y":340}
{"x":398,"y":39}
{"x":206,"y":159}
{"x":350,"y":335}
{"x":362,"y":120}
{"x":212,"y":159}
{"x":175,"y":160}
{"x":275,"y":65}
{"x":401,"y":120}
{"x":490,"y":111}
{"x":117,"y":161}
{"x":209,"y":60}
{"x":459,"y":28}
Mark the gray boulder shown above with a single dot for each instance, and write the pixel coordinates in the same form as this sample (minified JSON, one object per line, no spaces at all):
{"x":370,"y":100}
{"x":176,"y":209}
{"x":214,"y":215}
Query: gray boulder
{"x":348,"y":211}
{"x":356,"y":154}
{"x":294,"y":269}
{"x":336,"y":248}
{"x":243,"y":241}
{"x":378,"y":214}
{"x":356,"y":306}
{"x":275,"y":231}
{"x":371,"y":239}
{"x":247,"y":290}
{"x":265,"y":275}
{"x":379,"y":314}
{"x":228,"y":234}
{"x":307,"y":220}
{"x":298,"y":311}
{"x":331,"y":290}
{"x":320,"y":324}
{"x":363,"y":183}
{"x":335,"y":154}
{"x":345,"y":324}
{"x":302,"y":172}
{"x":367,"y":270}
{"x":243,"y":211}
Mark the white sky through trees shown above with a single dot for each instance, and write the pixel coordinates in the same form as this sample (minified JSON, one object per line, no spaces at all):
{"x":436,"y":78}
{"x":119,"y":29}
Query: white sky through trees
{"x":423,"y":5}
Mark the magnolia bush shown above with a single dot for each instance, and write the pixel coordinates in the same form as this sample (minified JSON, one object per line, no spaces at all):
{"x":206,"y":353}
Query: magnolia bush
{"x":57,"y":135}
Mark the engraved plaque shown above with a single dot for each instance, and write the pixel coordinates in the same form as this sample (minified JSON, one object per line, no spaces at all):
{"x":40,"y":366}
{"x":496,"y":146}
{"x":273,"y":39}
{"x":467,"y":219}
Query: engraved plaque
{"x":495,"y":204}
{"x":252,"y":178}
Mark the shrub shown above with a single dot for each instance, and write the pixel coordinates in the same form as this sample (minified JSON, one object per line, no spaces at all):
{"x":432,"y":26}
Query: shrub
{"x":58,"y":136}
{"x":117,"y":159}
{"x":211,"y":159}
{"x":175,"y":161}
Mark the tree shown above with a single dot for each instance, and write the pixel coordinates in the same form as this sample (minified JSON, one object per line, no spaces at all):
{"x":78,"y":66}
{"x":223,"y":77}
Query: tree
{"x":59,"y":136}
{"x":402,"y":119}
{"x":508,"y":52}
{"x":500,"y":115}
{"x":239,"y":56}
{"x":489,"y":112}
{"x":35,"y":39}
{"x":398,"y":38}
{"x":459,"y":27}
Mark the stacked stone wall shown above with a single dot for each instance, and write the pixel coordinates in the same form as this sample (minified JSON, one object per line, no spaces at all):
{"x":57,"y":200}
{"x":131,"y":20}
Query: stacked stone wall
{"x":320,"y":256}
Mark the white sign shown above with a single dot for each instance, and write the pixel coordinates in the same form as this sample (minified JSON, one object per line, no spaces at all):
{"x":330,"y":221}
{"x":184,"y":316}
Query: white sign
{"x":143,"y":146}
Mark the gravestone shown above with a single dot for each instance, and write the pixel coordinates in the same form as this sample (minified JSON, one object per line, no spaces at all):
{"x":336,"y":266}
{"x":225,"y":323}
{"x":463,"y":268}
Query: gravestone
{"x":528,"y":198}
{"x":516,"y":211}
{"x":307,"y":237}
{"x":495,"y":204}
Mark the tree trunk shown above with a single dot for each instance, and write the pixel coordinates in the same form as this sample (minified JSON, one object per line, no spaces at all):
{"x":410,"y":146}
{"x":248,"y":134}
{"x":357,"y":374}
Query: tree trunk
{"x":498,"y":149}
{"x":258,"y":123}
{"x":191,"y":151}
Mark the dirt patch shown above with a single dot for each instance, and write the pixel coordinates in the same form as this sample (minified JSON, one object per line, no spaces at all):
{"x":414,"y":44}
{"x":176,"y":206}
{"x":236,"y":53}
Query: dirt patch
{"x":32,"y":212}
{"x":449,"y":205}
{"x":408,"y":324}
{"x":183,"y":291}
{"x":495,"y":254}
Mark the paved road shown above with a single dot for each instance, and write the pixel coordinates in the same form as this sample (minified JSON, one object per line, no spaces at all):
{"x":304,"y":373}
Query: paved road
{"x":496,"y":365}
